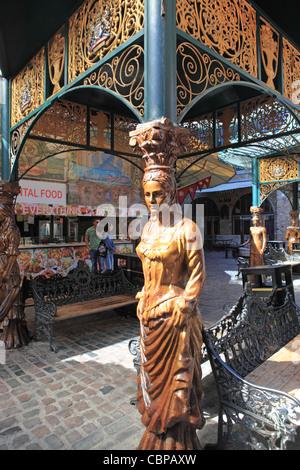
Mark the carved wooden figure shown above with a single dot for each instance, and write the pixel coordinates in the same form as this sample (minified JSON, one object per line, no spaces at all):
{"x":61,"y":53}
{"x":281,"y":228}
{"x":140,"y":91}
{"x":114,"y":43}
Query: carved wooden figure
{"x":257,"y":239}
{"x":292,"y":232}
{"x":13,"y":329}
{"x":170,"y":388}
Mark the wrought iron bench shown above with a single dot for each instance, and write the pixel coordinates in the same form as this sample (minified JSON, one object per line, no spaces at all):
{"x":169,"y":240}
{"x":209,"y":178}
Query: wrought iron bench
{"x":79,"y":293}
{"x":251,"y":416}
{"x":271,"y":256}
{"x":254,"y":416}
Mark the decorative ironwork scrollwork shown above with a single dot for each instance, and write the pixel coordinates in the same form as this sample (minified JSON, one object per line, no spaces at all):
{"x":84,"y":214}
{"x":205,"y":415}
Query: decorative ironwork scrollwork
{"x":201,"y":133}
{"x":123,"y":75}
{"x":267,"y":188}
{"x":263,"y":116}
{"x":16,"y":139}
{"x":56,"y":60}
{"x":99,"y":27}
{"x":28,"y":88}
{"x":291,"y":68}
{"x":196,"y":72}
{"x":278,"y":168}
{"x":226,"y":26}
{"x":269,"y":43}
{"x":65,"y":121}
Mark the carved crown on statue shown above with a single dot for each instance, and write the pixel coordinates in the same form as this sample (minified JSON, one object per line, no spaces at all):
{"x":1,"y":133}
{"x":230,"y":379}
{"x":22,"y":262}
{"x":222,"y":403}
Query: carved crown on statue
{"x":294,"y":214}
{"x":256,"y":210}
{"x":161,"y":142}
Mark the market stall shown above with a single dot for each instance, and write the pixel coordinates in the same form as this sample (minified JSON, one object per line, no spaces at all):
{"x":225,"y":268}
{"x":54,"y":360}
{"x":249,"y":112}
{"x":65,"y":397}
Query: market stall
{"x":49,"y":259}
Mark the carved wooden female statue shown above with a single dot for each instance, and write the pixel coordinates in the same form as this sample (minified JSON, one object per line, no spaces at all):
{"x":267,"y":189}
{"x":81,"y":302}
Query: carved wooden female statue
{"x":292,"y":232}
{"x":257,"y":239}
{"x":13,"y":329}
{"x":170,"y":388}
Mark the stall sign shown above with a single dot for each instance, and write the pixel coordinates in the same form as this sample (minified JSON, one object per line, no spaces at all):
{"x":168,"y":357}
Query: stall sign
{"x":44,"y":209}
{"x":42,"y":192}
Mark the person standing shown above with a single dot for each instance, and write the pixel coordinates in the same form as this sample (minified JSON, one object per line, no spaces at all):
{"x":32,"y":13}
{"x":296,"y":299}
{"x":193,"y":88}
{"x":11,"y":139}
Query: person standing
{"x":92,"y":242}
{"x":111,"y":248}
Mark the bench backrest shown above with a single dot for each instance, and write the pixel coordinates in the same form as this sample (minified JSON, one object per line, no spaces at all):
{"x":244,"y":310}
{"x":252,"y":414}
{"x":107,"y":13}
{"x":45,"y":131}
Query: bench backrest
{"x":80,"y":285}
{"x":252,"y":332}
{"x":275,"y":255}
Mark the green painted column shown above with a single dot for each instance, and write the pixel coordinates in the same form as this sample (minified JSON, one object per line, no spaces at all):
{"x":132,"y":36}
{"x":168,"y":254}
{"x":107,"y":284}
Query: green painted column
{"x":160,"y":59}
{"x":255,"y":182}
{"x":4,"y":103}
{"x":295,"y":197}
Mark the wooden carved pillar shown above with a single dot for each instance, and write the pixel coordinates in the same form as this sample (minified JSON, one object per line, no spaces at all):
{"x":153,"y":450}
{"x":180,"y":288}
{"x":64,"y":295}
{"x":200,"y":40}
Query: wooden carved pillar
{"x":13,"y":329}
{"x":169,"y":383}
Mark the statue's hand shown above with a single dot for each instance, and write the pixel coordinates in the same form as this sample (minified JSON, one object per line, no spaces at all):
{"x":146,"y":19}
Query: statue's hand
{"x":140,"y":305}
{"x":178,"y":317}
{"x":182,"y":311}
{"x":140,"y":309}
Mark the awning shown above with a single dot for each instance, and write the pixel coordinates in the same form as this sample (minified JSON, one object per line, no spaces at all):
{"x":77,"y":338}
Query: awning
{"x":194,"y":169}
{"x":232,"y":185}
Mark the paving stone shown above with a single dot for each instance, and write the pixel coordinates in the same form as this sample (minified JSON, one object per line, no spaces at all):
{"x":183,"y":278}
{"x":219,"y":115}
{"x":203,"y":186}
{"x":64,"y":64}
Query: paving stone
{"x":31,"y":413}
{"x":73,"y":422}
{"x":106,"y":389}
{"x":20,"y":441}
{"x":89,"y":442}
{"x":13,"y":383}
{"x":10,"y":431}
{"x":54,"y":442}
{"x":7,"y":423}
{"x":41,"y":431}
{"x":34,"y":446}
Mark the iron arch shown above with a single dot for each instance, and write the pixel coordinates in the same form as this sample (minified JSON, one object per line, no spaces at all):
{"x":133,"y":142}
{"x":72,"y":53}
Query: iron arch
{"x":95,"y":95}
{"x":210,"y":99}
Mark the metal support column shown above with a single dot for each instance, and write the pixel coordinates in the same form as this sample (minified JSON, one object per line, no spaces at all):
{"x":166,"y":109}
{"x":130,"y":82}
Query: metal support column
{"x":255,"y":182}
{"x":4,"y":103}
{"x":295,"y":197}
{"x":160,"y":60}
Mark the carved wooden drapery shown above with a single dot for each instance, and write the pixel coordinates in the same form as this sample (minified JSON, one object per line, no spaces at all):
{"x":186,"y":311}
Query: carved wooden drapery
{"x":170,"y":388}
{"x":13,"y":328}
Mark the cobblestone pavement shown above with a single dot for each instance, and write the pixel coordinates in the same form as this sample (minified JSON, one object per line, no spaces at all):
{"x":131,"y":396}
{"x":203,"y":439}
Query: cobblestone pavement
{"x":79,"y":397}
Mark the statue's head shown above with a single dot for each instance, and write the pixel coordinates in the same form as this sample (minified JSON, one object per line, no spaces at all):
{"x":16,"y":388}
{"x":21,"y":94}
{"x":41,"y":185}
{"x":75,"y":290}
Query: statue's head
{"x":294,"y":216}
{"x":159,"y":185}
{"x":160,"y":142}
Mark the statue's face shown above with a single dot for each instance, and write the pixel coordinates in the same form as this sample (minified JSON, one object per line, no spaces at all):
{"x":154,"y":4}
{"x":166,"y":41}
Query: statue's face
{"x":155,"y":195}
